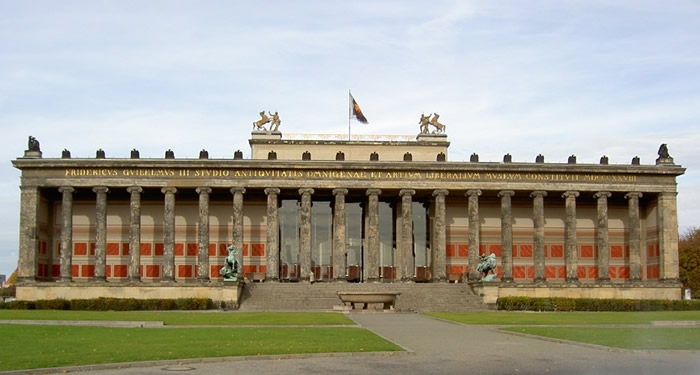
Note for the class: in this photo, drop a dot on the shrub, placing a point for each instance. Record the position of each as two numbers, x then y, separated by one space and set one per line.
593 304
115 304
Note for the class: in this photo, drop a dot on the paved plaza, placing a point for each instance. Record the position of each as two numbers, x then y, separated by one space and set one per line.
440 347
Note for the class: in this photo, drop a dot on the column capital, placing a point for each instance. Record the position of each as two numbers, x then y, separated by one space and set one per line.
602 194
570 194
66 189
134 189
203 189
374 192
441 192
167 190
538 193
303 191
269 191
340 191
409 192
668 194
633 194
237 189
100 189
473 192
503 193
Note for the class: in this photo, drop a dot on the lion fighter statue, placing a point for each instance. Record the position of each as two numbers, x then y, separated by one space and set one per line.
487 265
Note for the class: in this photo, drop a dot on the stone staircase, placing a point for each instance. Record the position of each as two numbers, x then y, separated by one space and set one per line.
419 297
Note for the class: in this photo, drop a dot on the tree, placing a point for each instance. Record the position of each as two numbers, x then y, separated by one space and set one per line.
689 260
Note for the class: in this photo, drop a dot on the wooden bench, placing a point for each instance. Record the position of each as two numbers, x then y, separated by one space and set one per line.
387 298
255 276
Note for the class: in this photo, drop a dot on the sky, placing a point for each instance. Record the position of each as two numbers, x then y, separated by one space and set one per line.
557 78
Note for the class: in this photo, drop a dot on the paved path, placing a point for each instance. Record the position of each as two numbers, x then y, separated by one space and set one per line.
450 348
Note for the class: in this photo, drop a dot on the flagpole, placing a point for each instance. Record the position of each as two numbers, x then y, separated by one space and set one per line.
349 112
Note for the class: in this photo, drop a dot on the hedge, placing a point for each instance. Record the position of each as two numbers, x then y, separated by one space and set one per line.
114 304
594 304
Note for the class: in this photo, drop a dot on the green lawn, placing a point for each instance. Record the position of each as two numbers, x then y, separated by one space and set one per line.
625 338
186 318
566 318
52 346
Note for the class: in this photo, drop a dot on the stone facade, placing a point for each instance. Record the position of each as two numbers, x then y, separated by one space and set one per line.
138 227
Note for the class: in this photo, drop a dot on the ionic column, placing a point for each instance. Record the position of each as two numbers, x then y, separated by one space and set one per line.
570 243
506 235
371 263
169 234
28 233
203 235
405 263
474 229
66 232
135 233
538 241
238 223
339 235
272 242
668 236
305 233
603 260
100 232
633 223
439 272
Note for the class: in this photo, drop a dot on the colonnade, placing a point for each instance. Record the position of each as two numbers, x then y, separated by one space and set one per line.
404 259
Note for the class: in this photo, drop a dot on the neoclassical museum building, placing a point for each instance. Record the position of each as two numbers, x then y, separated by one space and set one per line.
332 213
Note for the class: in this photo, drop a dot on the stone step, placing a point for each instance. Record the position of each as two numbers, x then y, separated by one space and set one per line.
323 296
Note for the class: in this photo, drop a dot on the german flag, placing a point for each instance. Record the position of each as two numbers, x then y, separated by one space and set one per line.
356 111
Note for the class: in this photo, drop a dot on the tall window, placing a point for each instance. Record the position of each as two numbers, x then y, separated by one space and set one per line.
353 238
321 233
420 233
289 231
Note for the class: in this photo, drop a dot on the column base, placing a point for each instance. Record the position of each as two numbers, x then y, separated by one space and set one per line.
540 281
99 279
507 280
572 281
65 280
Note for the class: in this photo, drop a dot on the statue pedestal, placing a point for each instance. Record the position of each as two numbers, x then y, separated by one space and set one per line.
256 134
32 154
667 161
432 137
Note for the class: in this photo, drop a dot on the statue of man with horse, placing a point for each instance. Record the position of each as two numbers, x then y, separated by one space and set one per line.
426 121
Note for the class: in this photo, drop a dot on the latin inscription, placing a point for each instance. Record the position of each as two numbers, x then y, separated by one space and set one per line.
347 174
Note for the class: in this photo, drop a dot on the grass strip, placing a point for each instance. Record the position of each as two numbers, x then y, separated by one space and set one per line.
55 346
186 318
566 318
624 338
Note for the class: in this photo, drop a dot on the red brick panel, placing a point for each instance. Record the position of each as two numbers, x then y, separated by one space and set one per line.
586 251
179 249
592 272
450 250
525 251
145 249
482 249
212 249
556 251
581 272
561 272
258 250
80 248
192 249
119 270
75 270
55 270
530 272
616 251
495 249
455 269
463 250
125 249
158 250
245 250
651 250
214 271
518 272
613 272
223 251
250 268
184 270
652 272
623 273
112 248
88 270
92 248
499 271
108 271
550 272
263 269
152 270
